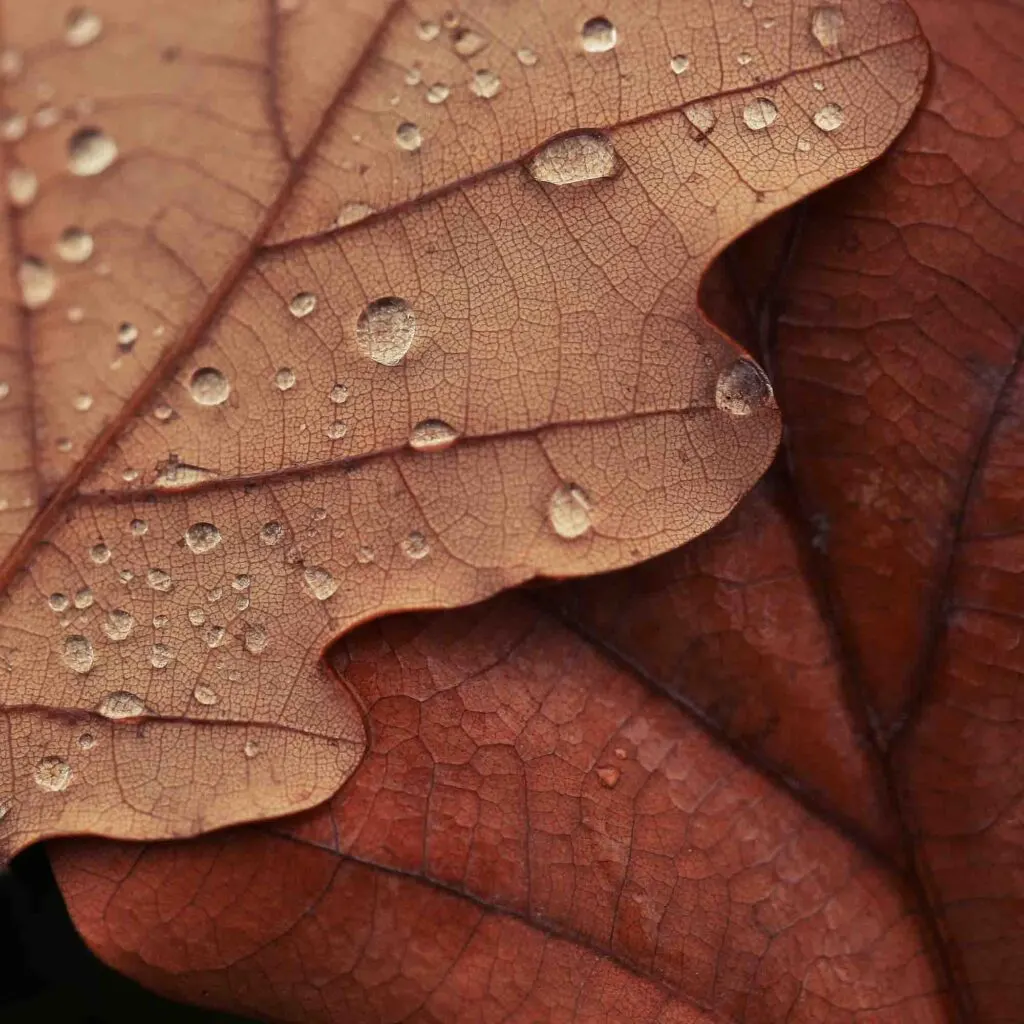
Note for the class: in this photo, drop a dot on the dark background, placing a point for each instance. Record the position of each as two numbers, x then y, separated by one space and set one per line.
48 974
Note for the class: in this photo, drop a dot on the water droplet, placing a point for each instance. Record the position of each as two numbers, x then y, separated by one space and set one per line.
196 616
127 335
163 412
11 64
160 656
202 538
58 602
159 579
438 93
271 533
743 59
119 624
53 774
302 304
364 555
126 576
621 753
99 553
82 26
416 546
285 378
13 127
86 741
121 704
353 213
827 26
569 512
209 386
386 329
82 403
319 582
204 695
255 639
251 748
598 35
336 430
243 581
84 599
90 151
428 31
829 118
5 389
408 137
742 388
138 527
214 636
526 56
432 436
467 43
486 84
679 64
804 145
38 282
74 245
571 159
414 75
63 444
22 186
161 621
339 394
608 776
78 653
759 114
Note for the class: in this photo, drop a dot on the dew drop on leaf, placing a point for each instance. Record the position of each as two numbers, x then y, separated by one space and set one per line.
701 115
438 93
251 748
82 27
432 436
742 388
22 186
608 776
160 656
526 56
53 774
84 599
214 636
202 538
121 704
138 527
427 31
209 386
408 136
319 582
58 603
255 639
353 213
86 741
77 653
336 430
127 335
38 282
759 114
386 329
302 304
415 546
119 624
159 579
679 64
99 553
571 159
196 616
598 35
829 118
339 394
90 151
204 695
82 402
827 26
569 512
284 379
485 84
271 533
467 42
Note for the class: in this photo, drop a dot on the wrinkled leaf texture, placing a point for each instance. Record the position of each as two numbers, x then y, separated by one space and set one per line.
773 775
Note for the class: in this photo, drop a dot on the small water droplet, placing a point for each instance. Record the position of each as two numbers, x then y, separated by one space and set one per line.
127 335
432 436
11 64
339 394
251 748
202 538
243 581
319 582
214 636
78 653
204 695
485 84
353 213
621 753
438 93
804 145
121 704
759 114
160 656
196 616
827 26
5 389
163 412
285 378
84 599
86 741
829 118
571 159
90 151
415 546
428 31
82 403
336 430
38 282
138 527
742 388
126 576
46 117
598 35
467 42
414 75
569 512
13 127
408 136
526 56
743 59
58 602
119 624
701 115
129 476
82 26
271 533
161 621
209 386
99 553
22 186
386 329
302 304
53 774
364 555
159 579
255 639
63 444
608 776
679 64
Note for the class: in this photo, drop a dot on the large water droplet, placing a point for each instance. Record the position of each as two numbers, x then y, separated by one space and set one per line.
742 388
53 774
598 35
255 639
571 159
271 533
82 26
121 704
701 115
201 538
214 636
339 394
827 26
159 579
319 582
438 93
759 114
432 436
485 84
415 546
84 599
467 42
77 653
829 118
209 386
119 624
90 151
160 656
408 137
336 430
100 554
38 282
302 304
386 329
569 512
